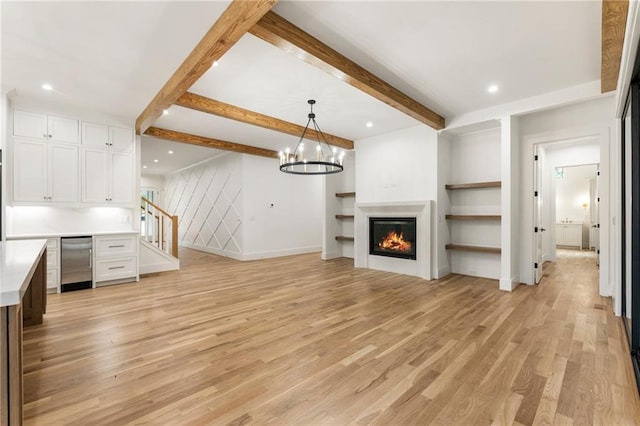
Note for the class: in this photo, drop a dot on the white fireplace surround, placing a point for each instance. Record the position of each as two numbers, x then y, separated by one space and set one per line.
421 210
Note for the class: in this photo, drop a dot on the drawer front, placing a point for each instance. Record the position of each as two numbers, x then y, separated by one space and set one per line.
116 246
53 244
53 260
52 278
113 269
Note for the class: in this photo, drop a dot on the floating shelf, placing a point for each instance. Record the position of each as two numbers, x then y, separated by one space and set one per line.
345 194
495 184
473 217
480 249
343 238
344 216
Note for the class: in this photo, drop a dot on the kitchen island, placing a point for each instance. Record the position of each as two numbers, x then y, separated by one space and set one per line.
23 301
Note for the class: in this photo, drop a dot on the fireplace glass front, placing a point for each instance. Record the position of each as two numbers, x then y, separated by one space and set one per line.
393 237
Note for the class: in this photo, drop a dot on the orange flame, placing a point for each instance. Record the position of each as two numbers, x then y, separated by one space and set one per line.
396 242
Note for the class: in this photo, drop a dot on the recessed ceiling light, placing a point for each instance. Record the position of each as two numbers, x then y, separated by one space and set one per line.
47 87
144 167
170 152
369 124
165 112
155 161
215 64
492 89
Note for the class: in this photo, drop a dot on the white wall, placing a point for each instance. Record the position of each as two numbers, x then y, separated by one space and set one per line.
398 166
207 198
282 212
35 221
4 111
243 207
572 192
578 122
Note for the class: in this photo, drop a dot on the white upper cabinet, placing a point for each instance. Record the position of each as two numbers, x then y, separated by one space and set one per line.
108 137
95 134
30 170
45 172
120 139
107 177
29 124
48 166
44 127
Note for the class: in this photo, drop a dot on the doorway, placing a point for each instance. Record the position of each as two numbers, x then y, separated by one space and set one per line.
566 200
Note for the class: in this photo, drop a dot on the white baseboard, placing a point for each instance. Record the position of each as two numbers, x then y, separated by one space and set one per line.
256 255
330 255
443 271
508 284
280 253
236 256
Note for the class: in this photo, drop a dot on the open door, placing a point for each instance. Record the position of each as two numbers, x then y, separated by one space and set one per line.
538 229
595 220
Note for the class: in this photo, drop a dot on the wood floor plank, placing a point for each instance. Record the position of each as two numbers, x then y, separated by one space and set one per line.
229 342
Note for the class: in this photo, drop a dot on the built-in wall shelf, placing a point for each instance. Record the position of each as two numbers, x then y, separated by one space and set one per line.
343 238
473 217
494 184
344 216
345 194
480 249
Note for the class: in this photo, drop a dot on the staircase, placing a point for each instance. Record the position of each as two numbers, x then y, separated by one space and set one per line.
158 239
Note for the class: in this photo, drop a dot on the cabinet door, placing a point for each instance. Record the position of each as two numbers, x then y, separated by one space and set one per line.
574 235
95 175
561 235
29 124
30 170
63 173
121 139
95 135
62 129
122 178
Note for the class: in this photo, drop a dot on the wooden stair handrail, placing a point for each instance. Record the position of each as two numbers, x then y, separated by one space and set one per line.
174 224
156 207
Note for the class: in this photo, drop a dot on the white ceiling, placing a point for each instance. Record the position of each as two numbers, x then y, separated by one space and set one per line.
113 57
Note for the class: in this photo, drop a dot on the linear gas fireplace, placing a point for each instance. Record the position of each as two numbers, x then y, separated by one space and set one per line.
393 237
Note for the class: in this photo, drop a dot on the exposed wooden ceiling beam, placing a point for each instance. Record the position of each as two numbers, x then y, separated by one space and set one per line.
614 22
211 106
181 137
234 22
276 30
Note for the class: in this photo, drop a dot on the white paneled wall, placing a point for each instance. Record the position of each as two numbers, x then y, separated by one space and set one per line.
208 201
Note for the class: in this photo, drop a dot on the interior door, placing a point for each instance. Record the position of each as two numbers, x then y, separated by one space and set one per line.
595 221
537 216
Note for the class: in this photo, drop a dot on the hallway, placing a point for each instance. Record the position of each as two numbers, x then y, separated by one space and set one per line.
297 340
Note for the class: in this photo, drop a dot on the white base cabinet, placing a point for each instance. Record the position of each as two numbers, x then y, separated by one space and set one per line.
53 265
569 234
115 259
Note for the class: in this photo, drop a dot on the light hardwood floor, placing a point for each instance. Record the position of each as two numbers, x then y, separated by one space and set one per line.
300 341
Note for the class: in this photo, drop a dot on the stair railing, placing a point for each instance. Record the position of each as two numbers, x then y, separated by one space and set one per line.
159 227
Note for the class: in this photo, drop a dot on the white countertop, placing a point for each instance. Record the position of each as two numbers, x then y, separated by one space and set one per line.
568 223
18 261
68 234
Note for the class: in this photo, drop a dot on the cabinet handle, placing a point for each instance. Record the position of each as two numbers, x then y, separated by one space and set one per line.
116 267
116 246
50 136
44 136
90 258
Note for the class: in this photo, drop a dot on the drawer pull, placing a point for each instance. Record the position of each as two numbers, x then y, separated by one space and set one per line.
116 267
117 246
